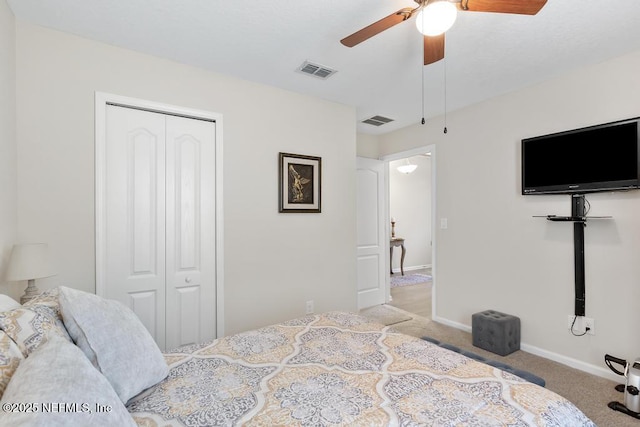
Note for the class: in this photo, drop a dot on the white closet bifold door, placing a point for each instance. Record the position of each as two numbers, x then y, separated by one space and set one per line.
160 222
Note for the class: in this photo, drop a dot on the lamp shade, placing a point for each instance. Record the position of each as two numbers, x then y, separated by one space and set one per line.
29 261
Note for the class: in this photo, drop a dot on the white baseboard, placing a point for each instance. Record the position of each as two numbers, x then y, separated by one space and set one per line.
451 323
602 372
416 267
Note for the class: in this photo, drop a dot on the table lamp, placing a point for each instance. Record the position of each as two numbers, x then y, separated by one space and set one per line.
29 262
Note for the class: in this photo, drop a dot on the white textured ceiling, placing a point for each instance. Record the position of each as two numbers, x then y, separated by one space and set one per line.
266 41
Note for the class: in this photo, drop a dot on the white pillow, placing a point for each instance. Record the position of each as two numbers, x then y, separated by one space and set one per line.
57 386
114 340
7 303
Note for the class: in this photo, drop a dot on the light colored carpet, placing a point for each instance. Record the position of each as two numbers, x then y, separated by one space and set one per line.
409 279
588 392
386 314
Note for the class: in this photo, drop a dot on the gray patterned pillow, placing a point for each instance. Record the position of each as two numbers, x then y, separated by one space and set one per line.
29 328
48 305
114 340
56 374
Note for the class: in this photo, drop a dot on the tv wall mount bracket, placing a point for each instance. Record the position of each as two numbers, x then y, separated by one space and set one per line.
579 219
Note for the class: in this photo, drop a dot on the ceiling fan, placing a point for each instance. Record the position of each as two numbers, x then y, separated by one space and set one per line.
434 43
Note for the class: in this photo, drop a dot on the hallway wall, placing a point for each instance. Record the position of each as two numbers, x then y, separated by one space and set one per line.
410 205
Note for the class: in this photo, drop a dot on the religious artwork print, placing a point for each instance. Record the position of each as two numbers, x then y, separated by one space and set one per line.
299 183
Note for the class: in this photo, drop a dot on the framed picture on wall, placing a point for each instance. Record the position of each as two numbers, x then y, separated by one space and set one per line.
300 181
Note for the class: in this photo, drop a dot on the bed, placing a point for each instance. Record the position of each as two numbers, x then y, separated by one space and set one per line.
335 368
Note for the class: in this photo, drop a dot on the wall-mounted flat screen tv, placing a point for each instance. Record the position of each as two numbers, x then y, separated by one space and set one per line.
605 157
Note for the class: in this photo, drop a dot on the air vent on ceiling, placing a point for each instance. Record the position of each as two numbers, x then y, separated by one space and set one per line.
316 70
377 120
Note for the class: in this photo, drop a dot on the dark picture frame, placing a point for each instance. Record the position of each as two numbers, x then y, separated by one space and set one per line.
299 183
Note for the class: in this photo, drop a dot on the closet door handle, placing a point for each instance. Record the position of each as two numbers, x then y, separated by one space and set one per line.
187 279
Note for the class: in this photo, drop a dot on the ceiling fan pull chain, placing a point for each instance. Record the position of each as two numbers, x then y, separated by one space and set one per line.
445 95
422 76
422 71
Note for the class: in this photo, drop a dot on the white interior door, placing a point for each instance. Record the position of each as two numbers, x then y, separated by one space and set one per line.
160 222
190 231
135 214
372 248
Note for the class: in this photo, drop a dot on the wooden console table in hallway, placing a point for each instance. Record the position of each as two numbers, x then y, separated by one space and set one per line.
397 241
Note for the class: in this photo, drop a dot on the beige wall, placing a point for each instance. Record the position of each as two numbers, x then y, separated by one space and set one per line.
273 262
367 146
494 255
8 211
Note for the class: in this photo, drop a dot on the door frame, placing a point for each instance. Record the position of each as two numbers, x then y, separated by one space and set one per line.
434 252
103 99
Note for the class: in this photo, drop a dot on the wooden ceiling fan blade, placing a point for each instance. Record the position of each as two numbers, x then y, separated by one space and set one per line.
433 49
520 7
377 27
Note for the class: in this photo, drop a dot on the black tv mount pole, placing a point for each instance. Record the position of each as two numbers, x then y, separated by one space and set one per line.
579 223
579 219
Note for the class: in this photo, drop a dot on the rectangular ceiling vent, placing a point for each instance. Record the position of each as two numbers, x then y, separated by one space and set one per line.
377 120
316 70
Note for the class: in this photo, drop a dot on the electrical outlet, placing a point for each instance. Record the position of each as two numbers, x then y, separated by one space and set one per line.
581 324
591 324
309 307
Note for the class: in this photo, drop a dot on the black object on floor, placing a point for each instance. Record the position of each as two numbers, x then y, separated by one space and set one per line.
617 406
496 364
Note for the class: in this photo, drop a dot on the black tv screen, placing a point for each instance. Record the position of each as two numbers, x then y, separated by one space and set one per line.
597 158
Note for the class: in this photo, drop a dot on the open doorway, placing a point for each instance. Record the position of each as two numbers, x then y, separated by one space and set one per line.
411 190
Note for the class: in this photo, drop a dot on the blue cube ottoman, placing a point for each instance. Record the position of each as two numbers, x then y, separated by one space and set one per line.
496 332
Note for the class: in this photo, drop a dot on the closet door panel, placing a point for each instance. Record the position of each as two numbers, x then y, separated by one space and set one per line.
145 305
135 212
188 315
190 231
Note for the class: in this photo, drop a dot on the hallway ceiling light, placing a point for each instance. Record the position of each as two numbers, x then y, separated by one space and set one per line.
407 168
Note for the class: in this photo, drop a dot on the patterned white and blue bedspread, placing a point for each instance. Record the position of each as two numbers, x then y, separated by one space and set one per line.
341 369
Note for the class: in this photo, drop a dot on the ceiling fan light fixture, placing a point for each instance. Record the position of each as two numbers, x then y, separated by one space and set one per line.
436 18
